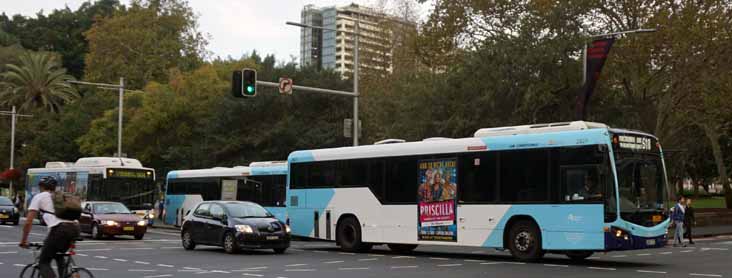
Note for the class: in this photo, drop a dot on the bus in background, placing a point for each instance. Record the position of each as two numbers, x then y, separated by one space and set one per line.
112 179
260 182
571 188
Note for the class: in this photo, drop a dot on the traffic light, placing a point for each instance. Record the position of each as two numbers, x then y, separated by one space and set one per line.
244 83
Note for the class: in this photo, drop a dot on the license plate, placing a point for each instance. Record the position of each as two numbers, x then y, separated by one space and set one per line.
657 218
3 216
650 242
273 237
128 228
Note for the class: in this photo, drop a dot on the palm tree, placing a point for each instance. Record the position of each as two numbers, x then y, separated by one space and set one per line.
37 81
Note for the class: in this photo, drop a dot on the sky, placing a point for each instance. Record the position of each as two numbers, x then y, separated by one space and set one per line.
234 27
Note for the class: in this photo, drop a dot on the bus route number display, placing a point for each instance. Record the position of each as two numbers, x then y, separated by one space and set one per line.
125 173
436 215
635 143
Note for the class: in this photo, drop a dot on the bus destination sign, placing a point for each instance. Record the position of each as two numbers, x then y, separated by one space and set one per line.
634 142
129 173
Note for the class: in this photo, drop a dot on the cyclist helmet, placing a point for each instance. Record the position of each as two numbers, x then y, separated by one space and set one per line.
48 182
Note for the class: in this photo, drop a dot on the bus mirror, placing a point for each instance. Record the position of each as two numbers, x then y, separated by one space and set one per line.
147 206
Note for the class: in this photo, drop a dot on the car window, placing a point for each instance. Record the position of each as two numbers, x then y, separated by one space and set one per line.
4 201
88 207
217 211
203 210
111 208
247 210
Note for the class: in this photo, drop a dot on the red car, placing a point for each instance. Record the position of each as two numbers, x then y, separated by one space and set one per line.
102 219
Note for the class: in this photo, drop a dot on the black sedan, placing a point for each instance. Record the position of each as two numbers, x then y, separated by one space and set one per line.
235 226
8 212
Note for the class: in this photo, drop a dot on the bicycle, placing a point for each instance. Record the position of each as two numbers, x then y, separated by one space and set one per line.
71 270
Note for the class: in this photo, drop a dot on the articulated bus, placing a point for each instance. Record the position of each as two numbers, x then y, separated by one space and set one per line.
114 179
572 188
260 182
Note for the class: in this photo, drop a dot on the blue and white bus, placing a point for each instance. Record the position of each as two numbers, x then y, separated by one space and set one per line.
260 182
572 188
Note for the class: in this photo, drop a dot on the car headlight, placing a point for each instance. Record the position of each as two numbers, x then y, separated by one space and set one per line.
15 210
141 223
287 229
244 229
151 215
110 223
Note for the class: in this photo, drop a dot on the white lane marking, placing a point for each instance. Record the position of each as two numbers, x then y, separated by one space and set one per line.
137 248
403 257
593 257
715 248
439 259
448 265
169 247
9 252
191 268
165 265
157 276
556 265
18 265
281 277
620 256
219 271
601 268
705 275
345 253
291 265
259 267
299 269
665 253
473 261
517 263
651 271
120 260
2 263
252 274
139 262
687 251
644 254
375 255
333 262
100 257
97 269
93 250
365 260
403 266
82 255
353 268
141 270
492 263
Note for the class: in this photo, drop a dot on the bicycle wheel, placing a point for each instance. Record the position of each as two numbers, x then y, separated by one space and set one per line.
80 272
30 271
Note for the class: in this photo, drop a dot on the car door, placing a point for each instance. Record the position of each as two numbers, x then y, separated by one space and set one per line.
216 225
86 218
199 221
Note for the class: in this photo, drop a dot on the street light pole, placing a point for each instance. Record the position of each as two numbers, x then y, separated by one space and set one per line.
355 94
13 120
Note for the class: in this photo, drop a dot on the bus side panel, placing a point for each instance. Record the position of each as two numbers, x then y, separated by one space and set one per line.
477 222
176 207
563 227
279 212
379 223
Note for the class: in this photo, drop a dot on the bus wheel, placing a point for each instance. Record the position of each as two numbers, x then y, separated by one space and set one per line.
402 248
525 241
349 236
579 255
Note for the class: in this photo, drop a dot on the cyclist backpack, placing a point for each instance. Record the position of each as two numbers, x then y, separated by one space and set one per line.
66 206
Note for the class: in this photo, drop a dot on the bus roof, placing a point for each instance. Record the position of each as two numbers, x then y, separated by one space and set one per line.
90 164
254 169
501 138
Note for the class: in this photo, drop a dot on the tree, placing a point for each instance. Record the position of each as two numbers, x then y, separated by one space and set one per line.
37 81
143 42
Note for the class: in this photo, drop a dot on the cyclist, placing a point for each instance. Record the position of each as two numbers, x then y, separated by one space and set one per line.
61 232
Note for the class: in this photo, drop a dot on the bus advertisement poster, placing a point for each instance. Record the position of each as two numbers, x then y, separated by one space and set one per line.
437 200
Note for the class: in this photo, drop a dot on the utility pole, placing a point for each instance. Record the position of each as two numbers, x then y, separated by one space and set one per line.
355 94
14 118
121 88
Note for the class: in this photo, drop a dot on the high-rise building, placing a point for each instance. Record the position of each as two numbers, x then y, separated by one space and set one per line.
334 50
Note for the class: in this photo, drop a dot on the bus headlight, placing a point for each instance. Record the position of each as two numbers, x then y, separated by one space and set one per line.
287 229
244 229
109 223
141 223
619 233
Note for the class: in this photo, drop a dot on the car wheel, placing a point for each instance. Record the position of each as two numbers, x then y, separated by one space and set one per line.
579 255
279 250
230 244
139 237
349 236
187 240
402 248
96 233
525 241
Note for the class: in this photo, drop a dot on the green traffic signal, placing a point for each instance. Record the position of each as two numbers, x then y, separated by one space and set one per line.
250 89
249 80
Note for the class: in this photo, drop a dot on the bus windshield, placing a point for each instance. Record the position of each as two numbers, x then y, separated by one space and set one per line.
641 182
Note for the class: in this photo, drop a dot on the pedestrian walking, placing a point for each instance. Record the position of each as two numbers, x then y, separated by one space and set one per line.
689 220
677 216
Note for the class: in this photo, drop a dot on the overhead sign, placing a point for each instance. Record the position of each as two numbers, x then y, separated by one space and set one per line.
285 85
634 142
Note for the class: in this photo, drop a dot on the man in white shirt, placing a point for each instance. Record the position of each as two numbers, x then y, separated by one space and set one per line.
61 233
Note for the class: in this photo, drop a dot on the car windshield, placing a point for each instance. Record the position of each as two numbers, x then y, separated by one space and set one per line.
640 182
247 210
111 208
4 201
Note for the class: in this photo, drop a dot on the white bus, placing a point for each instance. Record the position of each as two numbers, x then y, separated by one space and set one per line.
114 179
572 188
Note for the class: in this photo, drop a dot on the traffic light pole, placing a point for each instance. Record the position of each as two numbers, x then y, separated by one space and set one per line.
14 119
